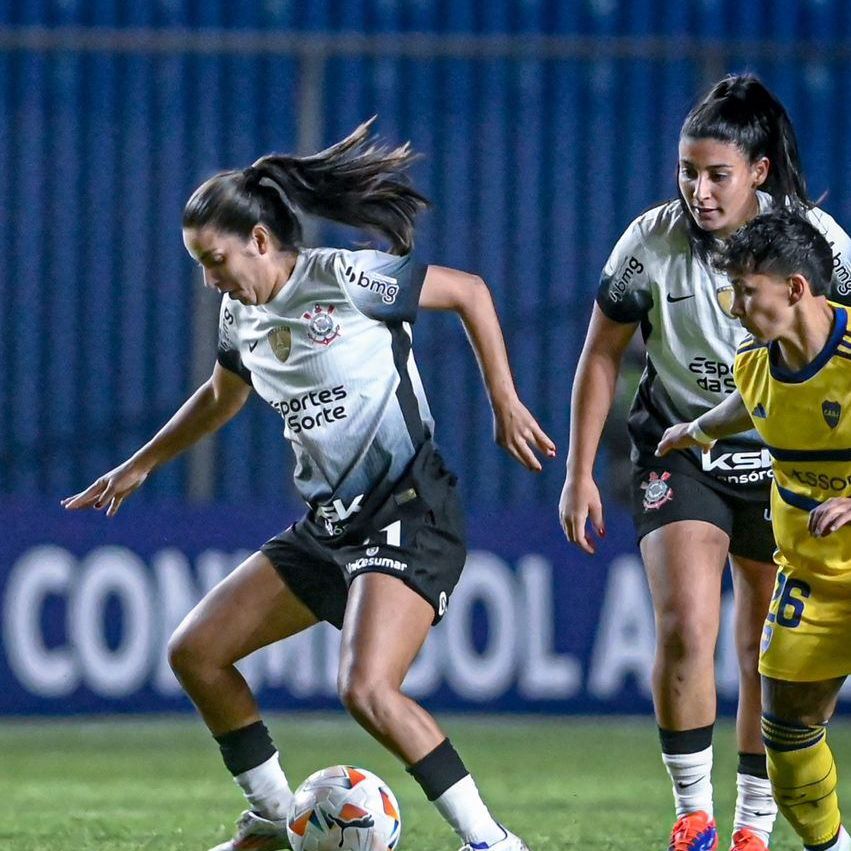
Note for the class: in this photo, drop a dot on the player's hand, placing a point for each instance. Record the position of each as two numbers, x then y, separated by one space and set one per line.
110 490
580 503
829 516
517 431
679 436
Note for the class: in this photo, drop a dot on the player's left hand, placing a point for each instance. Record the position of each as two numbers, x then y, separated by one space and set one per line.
830 516
517 431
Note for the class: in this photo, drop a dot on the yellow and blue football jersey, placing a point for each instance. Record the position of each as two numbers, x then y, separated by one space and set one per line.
804 418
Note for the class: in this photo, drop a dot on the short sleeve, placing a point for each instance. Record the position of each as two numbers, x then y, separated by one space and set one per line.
227 351
624 294
840 246
382 286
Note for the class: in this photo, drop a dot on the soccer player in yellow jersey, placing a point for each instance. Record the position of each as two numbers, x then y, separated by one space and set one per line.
793 379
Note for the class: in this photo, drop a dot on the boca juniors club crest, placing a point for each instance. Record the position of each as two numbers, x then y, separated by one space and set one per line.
657 491
831 411
321 326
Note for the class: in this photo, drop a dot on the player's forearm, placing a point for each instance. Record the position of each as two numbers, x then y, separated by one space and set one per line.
481 323
726 418
202 413
591 400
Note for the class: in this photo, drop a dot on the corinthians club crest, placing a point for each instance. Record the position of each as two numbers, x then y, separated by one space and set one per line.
657 491
831 411
281 342
321 326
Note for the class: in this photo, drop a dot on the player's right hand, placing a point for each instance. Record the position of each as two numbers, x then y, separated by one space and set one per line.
110 490
680 436
580 503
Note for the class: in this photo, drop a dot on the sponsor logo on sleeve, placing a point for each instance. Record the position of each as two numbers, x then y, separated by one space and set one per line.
621 279
384 287
841 274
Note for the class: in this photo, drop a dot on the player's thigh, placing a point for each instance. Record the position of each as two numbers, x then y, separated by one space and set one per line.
807 631
753 586
684 528
800 702
250 608
385 626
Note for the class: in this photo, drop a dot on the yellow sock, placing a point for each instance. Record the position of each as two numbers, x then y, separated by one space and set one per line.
803 777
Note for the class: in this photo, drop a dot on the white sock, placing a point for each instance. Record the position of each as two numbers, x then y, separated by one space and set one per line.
755 806
462 806
266 788
691 777
843 841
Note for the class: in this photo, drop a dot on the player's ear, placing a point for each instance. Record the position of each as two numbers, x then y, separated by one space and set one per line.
759 171
798 287
262 238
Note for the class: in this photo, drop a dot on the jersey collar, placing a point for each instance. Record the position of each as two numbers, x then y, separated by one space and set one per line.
781 373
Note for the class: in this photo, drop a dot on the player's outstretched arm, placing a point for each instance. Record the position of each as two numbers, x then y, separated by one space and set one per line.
515 429
206 410
593 393
831 515
726 418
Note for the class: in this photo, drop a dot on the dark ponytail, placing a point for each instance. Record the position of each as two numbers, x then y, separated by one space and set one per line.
740 110
356 182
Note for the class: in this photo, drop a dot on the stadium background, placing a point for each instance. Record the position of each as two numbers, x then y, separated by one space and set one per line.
545 128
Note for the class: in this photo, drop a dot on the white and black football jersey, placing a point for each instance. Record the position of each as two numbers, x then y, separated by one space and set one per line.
331 353
653 277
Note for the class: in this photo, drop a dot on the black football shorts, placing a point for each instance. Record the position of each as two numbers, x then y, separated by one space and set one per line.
663 494
416 534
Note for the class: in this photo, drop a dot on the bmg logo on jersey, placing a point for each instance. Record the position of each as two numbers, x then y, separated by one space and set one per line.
381 285
629 270
841 274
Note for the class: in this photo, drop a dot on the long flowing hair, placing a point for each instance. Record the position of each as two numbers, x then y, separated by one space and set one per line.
358 181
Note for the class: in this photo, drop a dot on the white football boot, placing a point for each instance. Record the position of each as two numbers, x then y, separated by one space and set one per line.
509 842
257 834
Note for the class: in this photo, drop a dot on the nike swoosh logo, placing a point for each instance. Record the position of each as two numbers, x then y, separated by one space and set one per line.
686 785
674 298
253 346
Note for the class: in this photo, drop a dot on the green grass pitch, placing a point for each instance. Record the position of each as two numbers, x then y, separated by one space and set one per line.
158 784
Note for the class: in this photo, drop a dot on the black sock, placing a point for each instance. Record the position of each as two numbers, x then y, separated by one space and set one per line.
754 764
246 747
686 741
438 770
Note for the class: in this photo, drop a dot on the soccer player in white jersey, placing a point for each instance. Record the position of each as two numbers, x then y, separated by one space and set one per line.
737 157
323 335
793 379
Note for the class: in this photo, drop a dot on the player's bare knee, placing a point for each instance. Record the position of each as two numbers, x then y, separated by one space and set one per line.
364 697
684 636
185 651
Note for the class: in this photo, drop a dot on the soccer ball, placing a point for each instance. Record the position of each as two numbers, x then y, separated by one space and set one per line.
343 808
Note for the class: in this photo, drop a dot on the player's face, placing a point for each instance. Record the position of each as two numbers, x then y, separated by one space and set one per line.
719 184
762 304
232 264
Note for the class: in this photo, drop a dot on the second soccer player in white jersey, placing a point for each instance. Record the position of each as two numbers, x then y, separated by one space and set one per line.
737 157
